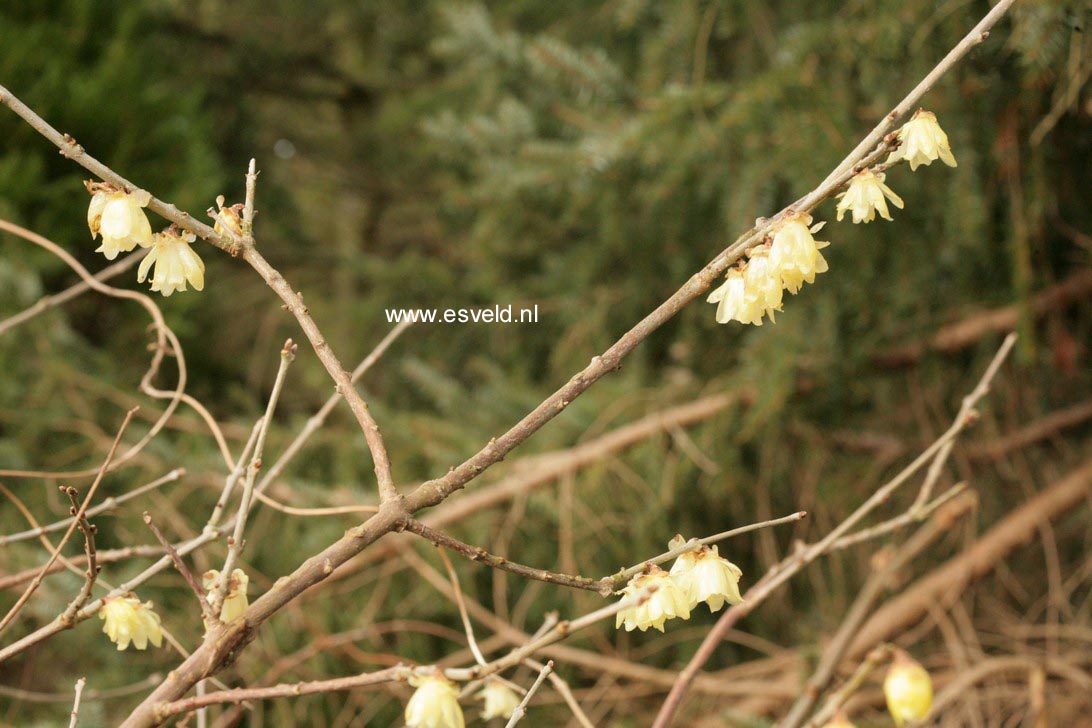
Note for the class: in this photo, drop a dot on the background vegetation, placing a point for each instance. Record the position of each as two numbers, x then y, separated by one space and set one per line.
587 158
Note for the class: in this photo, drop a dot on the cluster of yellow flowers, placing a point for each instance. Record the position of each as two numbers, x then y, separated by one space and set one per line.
908 690
435 703
698 576
118 216
790 256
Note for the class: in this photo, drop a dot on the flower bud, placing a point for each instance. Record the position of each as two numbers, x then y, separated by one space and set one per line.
908 689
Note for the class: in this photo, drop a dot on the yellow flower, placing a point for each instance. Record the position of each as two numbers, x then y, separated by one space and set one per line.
667 602
865 197
794 252
731 300
908 689
127 620
705 576
118 216
435 704
175 264
235 601
763 284
500 700
923 141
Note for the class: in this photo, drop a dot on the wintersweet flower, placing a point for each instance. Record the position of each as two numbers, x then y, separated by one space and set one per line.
704 575
923 141
435 704
731 300
666 602
176 264
127 620
794 251
500 700
119 217
908 689
865 197
235 601
763 286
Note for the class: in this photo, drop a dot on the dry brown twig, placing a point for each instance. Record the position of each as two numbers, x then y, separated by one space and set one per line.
395 510
791 565
77 521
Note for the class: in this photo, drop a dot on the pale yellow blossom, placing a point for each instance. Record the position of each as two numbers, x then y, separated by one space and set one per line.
908 689
235 601
865 197
119 217
731 300
176 263
763 285
794 251
435 704
666 602
500 700
704 575
126 619
923 141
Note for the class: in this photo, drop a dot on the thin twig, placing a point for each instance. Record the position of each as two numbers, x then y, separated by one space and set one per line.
235 474
475 553
790 566
695 543
521 709
206 609
92 572
45 303
566 694
467 626
862 608
837 699
76 702
235 543
108 504
77 516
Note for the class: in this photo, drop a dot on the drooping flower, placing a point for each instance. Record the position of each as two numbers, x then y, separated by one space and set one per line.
763 284
126 619
667 602
435 704
500 700
731 300
923 141
704 575
794 252
908 689
865 197
176 264
235 601
119 217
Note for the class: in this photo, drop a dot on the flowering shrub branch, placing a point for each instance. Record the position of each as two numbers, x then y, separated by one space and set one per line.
781 254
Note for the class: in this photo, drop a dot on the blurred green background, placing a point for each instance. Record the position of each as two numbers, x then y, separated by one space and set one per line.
583 157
